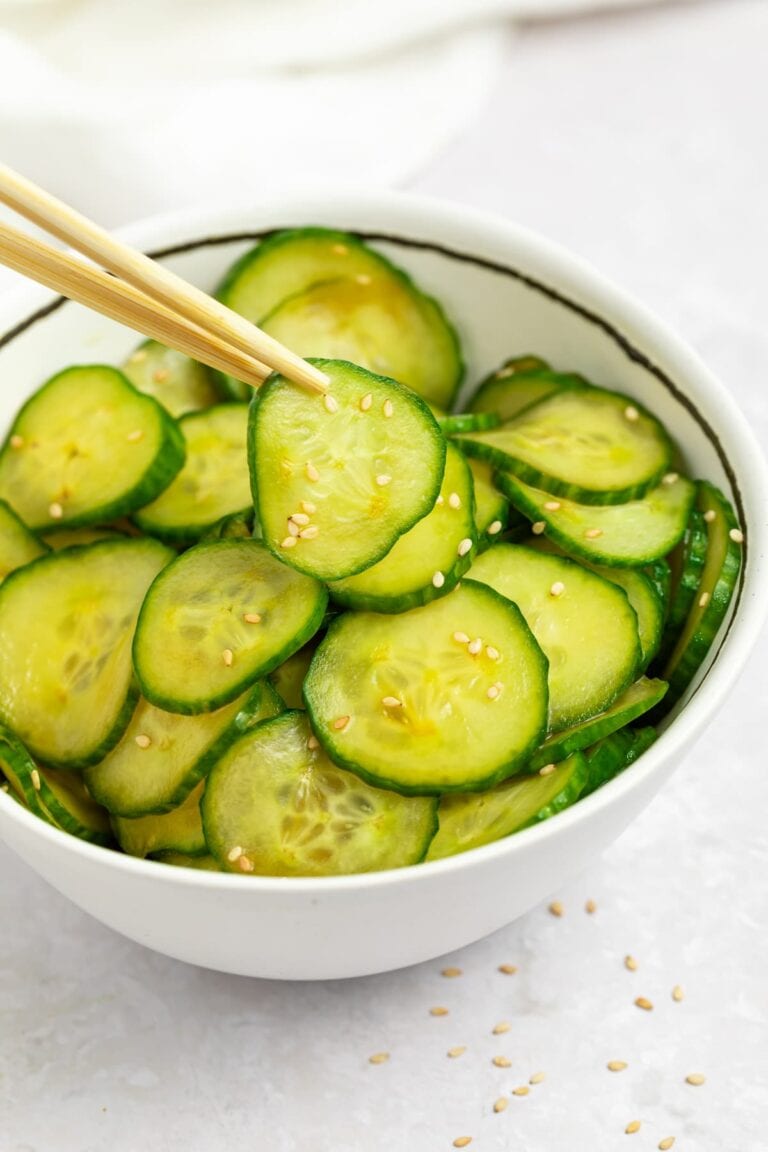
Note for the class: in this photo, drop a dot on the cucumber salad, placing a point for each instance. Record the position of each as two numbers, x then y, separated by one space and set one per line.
290 634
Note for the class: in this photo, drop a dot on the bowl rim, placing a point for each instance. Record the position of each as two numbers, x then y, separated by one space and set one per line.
434 217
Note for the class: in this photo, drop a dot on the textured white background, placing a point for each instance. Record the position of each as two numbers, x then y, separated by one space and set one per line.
640 141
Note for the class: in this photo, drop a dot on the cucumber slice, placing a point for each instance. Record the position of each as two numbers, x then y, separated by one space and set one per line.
181 860
214 481
471 820
713 595
276 806
176 381
660 575
584 625
325 293
428 560
163 755
408 703
67 619
464 422
614 753
625 537
338 479
491 506
640 697
288 679
71 808
238 526
689 558
178 831
582 444
88 447
18 546
75 537
196 648
513 388
21 773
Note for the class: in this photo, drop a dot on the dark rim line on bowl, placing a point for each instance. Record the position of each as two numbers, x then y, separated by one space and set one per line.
622 341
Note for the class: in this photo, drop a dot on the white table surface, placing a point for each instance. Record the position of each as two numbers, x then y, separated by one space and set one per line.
640 141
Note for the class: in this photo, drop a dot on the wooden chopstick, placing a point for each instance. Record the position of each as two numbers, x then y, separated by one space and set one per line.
152 279
119 301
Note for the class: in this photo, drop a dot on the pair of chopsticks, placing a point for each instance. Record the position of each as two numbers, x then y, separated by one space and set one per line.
129 287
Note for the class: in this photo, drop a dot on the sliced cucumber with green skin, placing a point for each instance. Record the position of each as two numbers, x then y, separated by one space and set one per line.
713 595
238 526
428 560
690 557
72 809
86 448
21 773
639 698
181 860
491 506
288 678
463 422
75 537
580 443
18 545
445 698
585 626
337 479
163 755
275 805
625 536
67 621
178 831
511 390
660 575
474 819
214 481
176 381
614 753
223 614
325 293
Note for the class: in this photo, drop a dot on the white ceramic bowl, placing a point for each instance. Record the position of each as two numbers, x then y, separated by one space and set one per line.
509 292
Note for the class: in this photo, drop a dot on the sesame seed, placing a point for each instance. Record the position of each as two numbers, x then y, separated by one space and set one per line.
495 527
438 1011
616 1065
462 1141
492 653
710 515
552 505
383 479
736 535
363 279
704 599
677 993
35 778
378 1058
340 723
521 1090
134 436
502 1027
461 637
454 500
330 402
245 864
451 973
388 409
161 375
666 1143
289 542
365 402
547 770
465 546
538 528
475 646
308 507
293 529
234 854
500 1104
493 692
309 533
458 1050
440 501
556 908
593 533
339 249
507 969
644 1003
312 472
670 479
228 657
16 441
557 588
502 1062
252 618
139 355
391 702
313 742
631 963
631 413
300 518
696 1079
537 1078
55 511
632 1127
142 740
438 579
590 907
